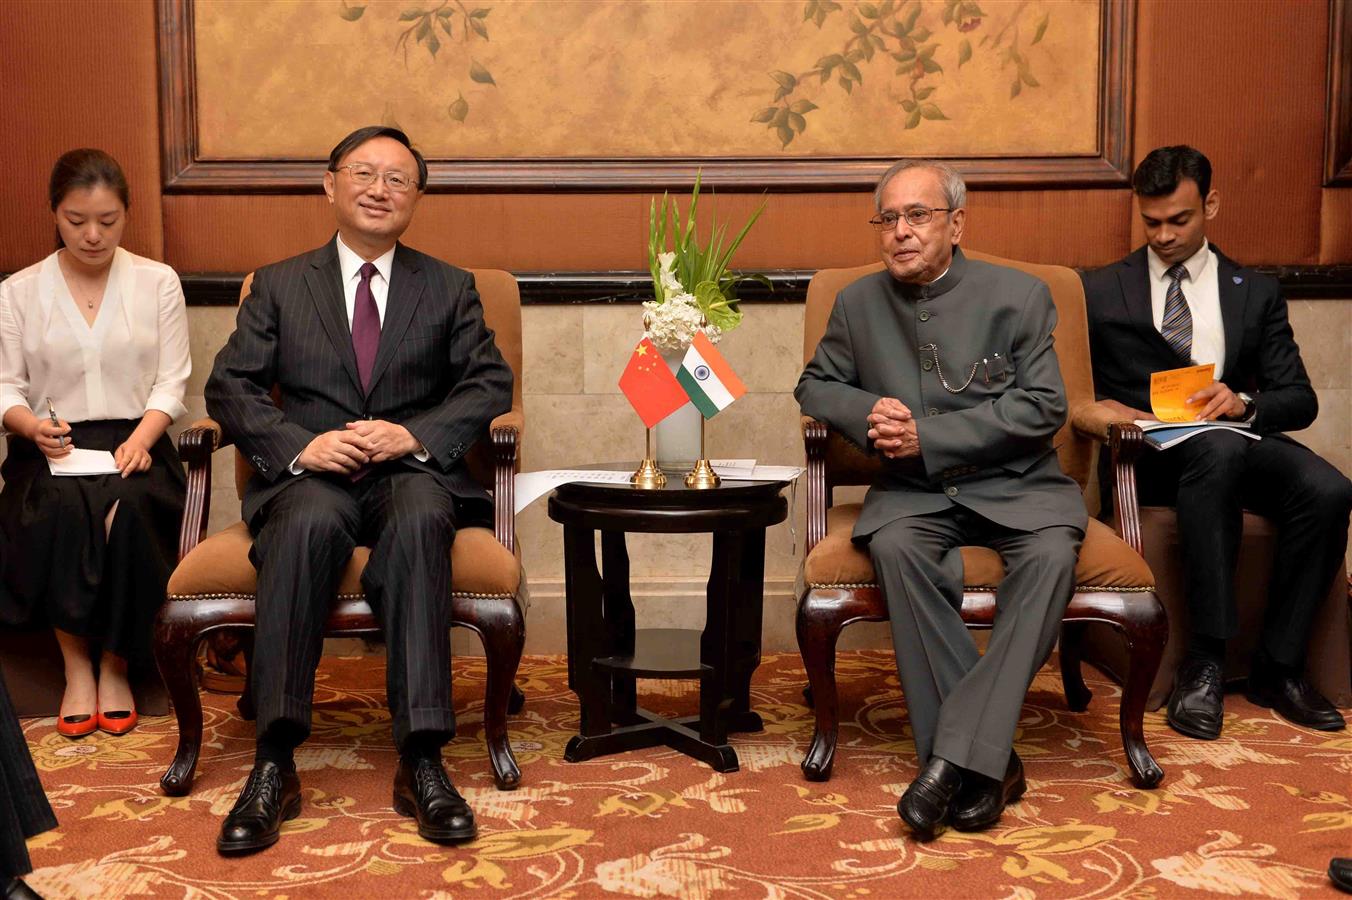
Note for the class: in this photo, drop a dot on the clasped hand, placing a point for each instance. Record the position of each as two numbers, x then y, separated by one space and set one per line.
892 429
360 443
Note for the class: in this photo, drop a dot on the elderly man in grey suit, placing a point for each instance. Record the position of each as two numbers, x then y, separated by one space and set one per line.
386 375
944 367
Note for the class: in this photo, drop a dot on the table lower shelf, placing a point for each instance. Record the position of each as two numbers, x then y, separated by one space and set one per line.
659 653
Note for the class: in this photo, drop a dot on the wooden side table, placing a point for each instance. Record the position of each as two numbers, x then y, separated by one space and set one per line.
605 651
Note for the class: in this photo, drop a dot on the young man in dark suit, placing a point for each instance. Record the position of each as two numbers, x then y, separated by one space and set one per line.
1178 302
386 376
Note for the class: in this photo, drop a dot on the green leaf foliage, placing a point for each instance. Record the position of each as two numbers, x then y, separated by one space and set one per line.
964 52
913 119
480 13
932 111
409 15
1028 78
351 13
920 34
867 10
924 92
785 79
802 106
785 135
847 84
908 105
433 42
478 73
479 28
459 109
765 115
797 122
931 66
1015 88
1041 28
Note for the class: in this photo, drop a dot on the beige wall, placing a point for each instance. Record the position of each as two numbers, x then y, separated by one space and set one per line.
573 356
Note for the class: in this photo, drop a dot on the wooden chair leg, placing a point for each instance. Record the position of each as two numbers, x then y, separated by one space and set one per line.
175 651
516 701
1146 628
502 629
818 630
247 710
1078 694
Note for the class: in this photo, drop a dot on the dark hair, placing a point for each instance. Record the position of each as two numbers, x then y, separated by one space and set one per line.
371 132
1163 168
86 168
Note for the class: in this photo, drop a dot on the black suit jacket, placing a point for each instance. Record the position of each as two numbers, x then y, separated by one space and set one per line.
437 371
1261 355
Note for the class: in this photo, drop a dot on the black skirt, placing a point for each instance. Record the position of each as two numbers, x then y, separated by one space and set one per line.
24 811
60 569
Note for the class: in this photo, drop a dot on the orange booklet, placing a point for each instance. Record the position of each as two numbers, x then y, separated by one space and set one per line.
1170 390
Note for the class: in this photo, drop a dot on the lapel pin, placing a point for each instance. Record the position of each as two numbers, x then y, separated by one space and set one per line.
1237 279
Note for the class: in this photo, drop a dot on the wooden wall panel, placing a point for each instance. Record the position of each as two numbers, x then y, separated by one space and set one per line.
582 232
1243 81
76 74
1335 230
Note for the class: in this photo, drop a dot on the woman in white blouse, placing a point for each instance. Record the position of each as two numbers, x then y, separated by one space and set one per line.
97 339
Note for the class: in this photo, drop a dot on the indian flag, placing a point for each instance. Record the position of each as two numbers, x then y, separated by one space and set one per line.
707 377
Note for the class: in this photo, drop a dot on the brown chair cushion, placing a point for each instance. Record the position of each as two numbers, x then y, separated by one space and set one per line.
220 565
1106 562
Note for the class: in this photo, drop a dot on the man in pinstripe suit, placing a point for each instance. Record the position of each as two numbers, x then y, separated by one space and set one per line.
386 375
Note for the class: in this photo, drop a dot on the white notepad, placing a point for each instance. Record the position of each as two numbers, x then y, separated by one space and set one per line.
83 462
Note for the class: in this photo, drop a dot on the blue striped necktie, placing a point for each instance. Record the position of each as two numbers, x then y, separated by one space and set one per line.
1176 328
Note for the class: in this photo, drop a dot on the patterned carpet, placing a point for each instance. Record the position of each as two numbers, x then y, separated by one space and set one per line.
1258 812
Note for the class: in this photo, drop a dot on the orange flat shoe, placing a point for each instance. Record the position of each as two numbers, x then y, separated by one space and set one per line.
75 727
118 722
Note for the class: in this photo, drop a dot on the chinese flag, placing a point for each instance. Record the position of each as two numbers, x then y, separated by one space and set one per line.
651 388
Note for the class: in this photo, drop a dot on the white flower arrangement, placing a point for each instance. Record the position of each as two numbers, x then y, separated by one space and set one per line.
693 289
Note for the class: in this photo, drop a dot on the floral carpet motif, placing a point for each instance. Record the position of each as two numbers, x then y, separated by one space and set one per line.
1258 812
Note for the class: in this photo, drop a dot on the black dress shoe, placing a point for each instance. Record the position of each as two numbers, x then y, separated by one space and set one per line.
1196 707
270 797
981 801
1294 699
1340 873
924 805
16 889
423 792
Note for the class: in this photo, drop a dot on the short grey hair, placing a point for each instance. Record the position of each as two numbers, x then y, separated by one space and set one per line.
955 189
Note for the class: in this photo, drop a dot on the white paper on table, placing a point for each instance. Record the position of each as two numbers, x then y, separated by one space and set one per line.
737 469
83 462
769 473
531 486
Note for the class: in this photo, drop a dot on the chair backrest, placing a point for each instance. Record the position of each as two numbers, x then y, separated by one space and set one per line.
846 465
501 299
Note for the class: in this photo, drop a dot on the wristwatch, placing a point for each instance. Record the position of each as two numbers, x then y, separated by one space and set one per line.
1250 406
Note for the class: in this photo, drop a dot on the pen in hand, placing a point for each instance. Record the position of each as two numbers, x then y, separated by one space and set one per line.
51 412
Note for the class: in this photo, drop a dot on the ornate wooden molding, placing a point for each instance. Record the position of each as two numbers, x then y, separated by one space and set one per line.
186 172
790 286
1338 113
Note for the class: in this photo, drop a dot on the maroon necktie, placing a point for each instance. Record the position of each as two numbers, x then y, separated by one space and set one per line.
365 327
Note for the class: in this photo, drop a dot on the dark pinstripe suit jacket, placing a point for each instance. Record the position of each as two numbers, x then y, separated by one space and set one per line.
437 371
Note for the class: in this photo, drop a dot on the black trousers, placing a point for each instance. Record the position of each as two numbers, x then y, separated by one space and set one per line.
303 538
1211 479
24 811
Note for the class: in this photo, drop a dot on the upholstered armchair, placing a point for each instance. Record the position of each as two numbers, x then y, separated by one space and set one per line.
1327 662
211 592
838 585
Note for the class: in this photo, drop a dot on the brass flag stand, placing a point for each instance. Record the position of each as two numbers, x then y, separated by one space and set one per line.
703 475
648 476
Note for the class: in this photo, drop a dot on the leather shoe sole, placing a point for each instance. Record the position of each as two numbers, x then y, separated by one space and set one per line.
262 841
409 810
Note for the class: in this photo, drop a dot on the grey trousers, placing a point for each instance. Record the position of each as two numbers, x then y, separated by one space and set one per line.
964 706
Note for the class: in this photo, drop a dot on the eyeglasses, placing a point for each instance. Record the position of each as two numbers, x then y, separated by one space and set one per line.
916 215
365 176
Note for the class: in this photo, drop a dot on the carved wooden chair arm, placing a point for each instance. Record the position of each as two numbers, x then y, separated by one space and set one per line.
195 446
814 446
505 432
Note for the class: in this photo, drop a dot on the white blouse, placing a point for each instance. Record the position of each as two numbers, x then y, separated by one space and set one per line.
133 359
